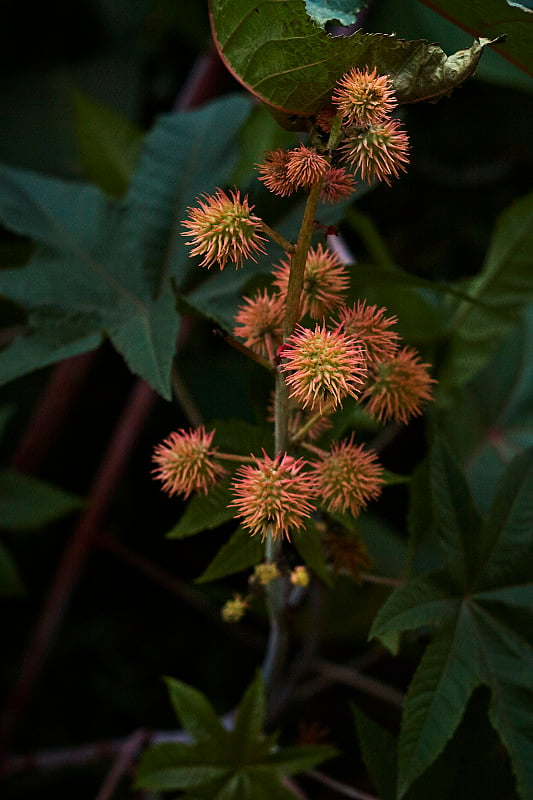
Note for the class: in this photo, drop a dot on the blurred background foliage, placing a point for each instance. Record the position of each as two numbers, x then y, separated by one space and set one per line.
79 86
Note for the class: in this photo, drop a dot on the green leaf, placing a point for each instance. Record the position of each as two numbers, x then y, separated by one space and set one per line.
455 511
239 764
292 65
108 143
490 16
11 584
104 267
343 11
413 20
378 749
181 159
491 418
203 513
480 604
6 412
194 712
240 552
249 720
179 766
503 288
28 502
299 758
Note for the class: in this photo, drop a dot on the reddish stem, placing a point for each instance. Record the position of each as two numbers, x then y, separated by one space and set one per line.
60 393
75 555
205 81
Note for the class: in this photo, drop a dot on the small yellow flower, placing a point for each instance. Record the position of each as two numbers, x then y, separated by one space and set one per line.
300 576
234 610
266 573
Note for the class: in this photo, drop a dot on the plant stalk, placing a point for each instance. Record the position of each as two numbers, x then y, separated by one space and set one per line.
278 641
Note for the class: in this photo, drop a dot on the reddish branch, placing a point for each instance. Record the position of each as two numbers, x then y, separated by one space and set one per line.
60 393
64 383
75 555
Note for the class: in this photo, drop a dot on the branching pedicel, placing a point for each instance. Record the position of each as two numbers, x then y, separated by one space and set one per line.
346 353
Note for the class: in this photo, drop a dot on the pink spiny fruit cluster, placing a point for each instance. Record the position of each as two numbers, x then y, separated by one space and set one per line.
347 353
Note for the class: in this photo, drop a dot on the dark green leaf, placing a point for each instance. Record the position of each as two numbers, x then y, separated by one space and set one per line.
240 552
378 748
108 143
194 712
80 267
179 766
410 19
225 765
291 64
28 502
106 266
493 17
251 713
503 288
181 159
455 512
6 412
203 513
479 642
10 581
299 758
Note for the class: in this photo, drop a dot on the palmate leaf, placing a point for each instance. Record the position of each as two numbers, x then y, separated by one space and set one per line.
103 267
28 503
292 65
480 604
223 764
501 290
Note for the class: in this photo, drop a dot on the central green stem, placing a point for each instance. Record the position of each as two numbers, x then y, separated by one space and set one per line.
278 638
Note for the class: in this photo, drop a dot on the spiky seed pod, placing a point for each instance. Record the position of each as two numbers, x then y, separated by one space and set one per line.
380 151
274 496
185 462
305 166
273 172
337 185
399 388
363 97
326 280
322 367
260 323
348 477
223 229
370 326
